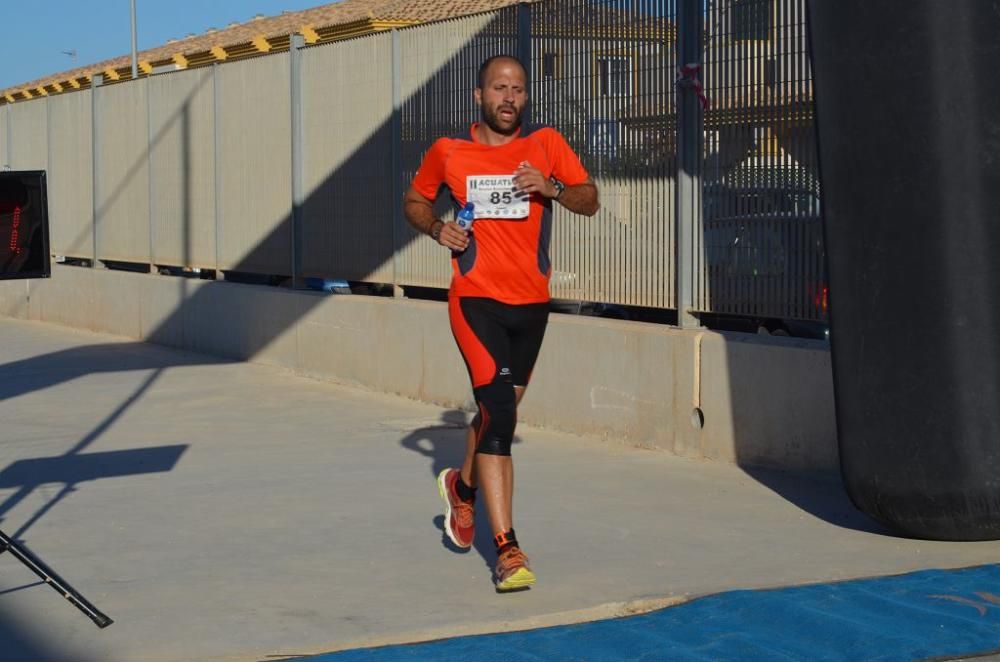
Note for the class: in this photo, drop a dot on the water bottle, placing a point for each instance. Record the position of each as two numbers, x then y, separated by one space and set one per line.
466 216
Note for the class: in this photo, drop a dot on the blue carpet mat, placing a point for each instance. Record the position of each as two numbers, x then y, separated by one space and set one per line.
927 614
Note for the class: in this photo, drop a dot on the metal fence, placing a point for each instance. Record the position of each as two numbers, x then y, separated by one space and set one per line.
294 164
762 238
437 67
603 74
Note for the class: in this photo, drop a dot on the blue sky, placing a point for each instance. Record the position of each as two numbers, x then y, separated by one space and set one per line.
37 31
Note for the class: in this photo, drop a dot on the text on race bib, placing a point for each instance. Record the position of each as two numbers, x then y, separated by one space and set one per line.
495 196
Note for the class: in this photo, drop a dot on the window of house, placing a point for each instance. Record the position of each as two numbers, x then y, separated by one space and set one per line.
751 19
615 75
548 65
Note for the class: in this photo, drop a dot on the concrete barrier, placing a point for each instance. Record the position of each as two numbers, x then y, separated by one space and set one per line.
755 401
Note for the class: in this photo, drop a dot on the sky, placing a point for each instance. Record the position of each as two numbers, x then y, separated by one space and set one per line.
36 32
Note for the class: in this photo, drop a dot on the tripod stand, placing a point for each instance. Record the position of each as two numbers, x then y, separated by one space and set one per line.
37 566
26 255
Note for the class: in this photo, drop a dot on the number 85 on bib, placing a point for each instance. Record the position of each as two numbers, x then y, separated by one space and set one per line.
495 196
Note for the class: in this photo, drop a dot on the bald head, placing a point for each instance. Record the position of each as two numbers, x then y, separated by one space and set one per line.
496 60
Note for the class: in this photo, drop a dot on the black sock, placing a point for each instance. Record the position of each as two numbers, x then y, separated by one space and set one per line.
465 493
505 541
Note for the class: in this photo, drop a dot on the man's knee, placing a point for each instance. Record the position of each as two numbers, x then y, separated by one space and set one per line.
498 408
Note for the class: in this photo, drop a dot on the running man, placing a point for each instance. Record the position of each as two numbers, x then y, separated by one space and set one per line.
499 298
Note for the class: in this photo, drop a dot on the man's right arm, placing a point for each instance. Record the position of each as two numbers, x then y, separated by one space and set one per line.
419 212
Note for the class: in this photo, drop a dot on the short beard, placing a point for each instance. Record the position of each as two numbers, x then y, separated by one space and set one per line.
493 122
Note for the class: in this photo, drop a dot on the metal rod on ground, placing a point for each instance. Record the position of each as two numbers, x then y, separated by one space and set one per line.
37 566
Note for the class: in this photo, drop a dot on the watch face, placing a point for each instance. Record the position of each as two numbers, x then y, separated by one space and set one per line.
24 232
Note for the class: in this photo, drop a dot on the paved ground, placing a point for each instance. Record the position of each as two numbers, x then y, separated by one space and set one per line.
226 511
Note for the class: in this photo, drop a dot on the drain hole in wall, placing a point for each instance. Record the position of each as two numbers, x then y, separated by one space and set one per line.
697 418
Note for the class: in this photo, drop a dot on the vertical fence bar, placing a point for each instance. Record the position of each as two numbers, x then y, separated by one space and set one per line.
48 140
524 48
689 130
396 167
8 124
216 167
95 151
149 168
295 69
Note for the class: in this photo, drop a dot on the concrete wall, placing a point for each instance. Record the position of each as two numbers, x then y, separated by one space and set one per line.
756 401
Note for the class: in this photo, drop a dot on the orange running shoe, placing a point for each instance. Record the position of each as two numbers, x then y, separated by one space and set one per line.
512 572
459 516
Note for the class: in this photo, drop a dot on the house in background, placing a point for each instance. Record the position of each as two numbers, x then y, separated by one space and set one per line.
757 75
598 64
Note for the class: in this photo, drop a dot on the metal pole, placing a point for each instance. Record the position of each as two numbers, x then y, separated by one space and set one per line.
151 182
217 169
524 48
95 155
689 145
298 42
48 138
135 59
6 164
396 160
60 585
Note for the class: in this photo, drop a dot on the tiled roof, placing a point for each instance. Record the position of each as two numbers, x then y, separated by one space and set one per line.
354 17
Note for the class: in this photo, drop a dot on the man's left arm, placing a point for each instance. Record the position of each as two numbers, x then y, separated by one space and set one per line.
578 198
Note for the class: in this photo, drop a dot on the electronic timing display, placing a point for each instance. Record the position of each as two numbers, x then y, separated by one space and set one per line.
24 225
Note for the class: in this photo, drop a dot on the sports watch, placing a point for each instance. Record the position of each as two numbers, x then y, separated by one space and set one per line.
560 187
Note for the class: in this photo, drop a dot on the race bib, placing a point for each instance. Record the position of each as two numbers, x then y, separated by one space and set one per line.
495 196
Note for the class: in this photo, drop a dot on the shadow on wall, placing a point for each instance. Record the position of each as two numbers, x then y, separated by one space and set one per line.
359 184
339 238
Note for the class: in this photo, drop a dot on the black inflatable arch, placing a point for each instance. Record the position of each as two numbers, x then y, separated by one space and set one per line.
908 102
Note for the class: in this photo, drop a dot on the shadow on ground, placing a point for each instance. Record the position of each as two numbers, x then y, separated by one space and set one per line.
40 372
819 494
19 641
444 445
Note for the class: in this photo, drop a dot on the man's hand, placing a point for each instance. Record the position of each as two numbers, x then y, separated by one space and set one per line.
529 179
454 236
579 198
419 212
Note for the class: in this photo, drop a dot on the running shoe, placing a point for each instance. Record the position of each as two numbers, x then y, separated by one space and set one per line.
459 516
512 571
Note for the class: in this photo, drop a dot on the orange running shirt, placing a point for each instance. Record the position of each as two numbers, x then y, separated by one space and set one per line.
507 258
